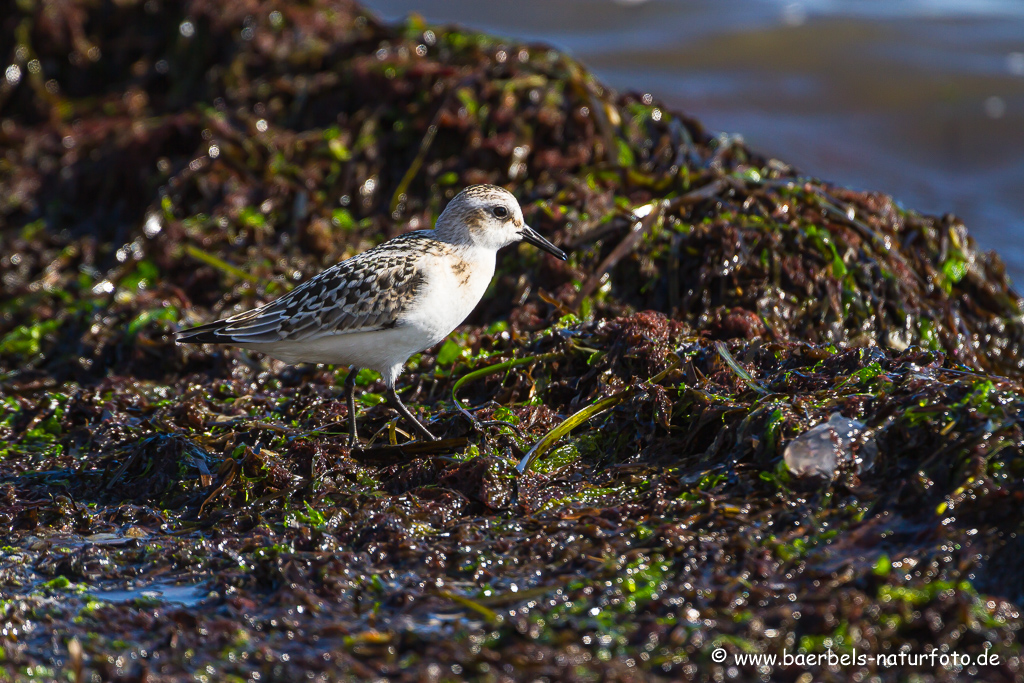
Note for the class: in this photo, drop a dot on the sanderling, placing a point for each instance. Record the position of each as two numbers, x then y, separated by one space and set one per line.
378 308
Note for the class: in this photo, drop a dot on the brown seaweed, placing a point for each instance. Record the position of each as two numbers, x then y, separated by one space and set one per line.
193 513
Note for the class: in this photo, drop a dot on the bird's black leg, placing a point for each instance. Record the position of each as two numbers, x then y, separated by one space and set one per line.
397 404
350 395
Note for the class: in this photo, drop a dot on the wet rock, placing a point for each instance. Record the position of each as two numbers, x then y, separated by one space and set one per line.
824 448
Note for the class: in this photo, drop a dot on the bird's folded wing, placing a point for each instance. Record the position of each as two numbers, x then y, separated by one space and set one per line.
364 293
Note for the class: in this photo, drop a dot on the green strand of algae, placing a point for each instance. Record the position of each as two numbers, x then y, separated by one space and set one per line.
548 440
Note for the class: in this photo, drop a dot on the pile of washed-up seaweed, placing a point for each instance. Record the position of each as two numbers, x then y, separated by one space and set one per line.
610 501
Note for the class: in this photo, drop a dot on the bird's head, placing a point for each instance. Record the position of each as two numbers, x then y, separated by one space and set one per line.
489 216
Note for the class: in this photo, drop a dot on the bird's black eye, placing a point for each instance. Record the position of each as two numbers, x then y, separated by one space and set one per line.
500 212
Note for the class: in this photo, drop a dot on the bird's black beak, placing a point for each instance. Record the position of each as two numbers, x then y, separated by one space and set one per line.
533 237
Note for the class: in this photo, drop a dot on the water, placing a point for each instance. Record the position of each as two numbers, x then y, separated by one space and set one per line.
163 591
921 99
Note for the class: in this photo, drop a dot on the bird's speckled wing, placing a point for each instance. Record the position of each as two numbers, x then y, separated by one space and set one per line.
364 293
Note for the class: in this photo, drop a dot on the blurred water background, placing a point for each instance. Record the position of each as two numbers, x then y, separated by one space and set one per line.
921 99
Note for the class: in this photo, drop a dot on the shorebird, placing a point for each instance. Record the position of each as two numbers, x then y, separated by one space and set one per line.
378 308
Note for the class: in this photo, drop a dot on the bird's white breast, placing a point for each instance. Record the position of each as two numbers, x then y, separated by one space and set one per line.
454 283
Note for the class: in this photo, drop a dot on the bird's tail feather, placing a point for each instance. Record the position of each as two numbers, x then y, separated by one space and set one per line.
210 333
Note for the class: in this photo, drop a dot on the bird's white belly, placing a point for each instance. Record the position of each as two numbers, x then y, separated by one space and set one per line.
378 350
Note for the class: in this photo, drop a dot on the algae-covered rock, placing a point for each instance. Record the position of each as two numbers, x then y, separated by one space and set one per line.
162 164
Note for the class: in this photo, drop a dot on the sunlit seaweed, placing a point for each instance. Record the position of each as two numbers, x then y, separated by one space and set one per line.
166 163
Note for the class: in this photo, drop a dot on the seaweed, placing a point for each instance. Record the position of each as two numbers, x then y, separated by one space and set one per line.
610 499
